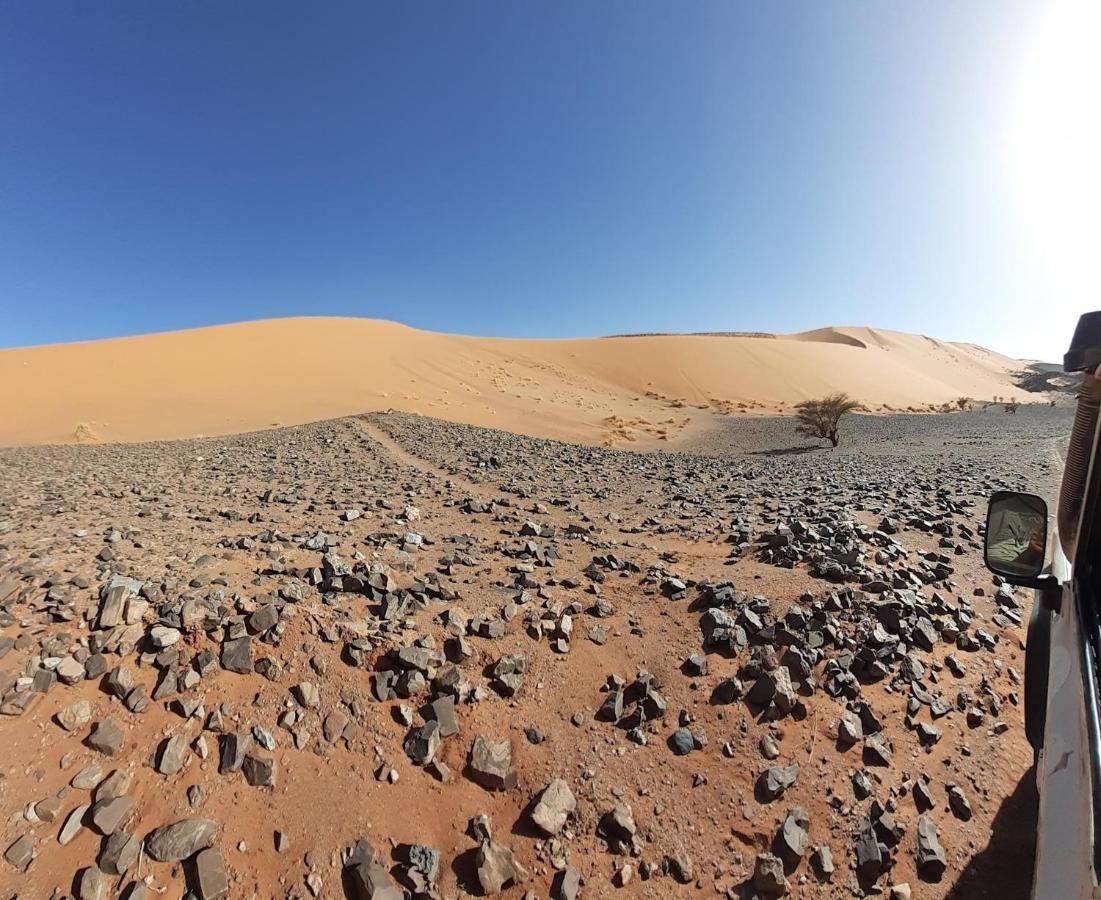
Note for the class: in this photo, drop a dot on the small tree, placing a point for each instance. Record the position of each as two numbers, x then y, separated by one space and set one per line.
963 402
820 418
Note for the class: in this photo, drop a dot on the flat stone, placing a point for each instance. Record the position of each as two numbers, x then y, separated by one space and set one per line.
235 746
555 806
69 671
92 885
180 840
119 853
75 716
768 876
775 780
106 737
566 884
333 726
264 619
47 810
877 750
210 875
442 710
823 861
793 838
497 867
20 853
173 755
87 778
73 824
112 606
259 770
114 785
307 695
931 859
491 764
163 637
237 655
368 877
106 815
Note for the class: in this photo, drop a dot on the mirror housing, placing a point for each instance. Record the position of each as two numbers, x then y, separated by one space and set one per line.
1015 544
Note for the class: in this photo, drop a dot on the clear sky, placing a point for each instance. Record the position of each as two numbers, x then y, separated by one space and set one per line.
551 169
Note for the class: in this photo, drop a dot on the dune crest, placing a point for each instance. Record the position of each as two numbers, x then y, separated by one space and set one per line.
644 390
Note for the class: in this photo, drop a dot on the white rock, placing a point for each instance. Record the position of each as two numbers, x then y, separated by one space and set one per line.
162 636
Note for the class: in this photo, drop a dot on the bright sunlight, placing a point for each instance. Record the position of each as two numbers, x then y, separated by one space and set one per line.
1055 154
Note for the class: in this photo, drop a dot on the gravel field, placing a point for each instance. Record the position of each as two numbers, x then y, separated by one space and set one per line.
390 656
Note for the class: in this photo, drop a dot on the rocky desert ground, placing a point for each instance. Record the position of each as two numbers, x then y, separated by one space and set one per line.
391 656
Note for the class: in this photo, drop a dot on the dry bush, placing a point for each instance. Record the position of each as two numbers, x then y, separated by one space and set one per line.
820 418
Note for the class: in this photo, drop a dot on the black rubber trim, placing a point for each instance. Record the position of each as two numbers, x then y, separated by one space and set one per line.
1037 663
1090 653
1087 596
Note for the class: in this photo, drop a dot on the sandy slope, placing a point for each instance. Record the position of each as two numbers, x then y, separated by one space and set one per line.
254 375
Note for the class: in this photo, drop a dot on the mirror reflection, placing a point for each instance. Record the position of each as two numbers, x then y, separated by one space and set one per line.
1016 534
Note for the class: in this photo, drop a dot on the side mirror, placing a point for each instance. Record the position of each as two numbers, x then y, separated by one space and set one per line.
1016 537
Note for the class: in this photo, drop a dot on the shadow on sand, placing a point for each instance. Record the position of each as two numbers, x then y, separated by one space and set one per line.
1003 870
786 451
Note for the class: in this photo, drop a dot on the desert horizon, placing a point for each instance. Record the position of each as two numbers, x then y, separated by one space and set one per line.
640 390
433 464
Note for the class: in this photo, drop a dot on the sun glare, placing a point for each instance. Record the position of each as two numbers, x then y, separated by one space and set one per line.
1055 153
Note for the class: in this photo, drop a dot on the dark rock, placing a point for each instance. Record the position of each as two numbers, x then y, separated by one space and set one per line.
119 853
768 876
491 764
180 840
775 780
107 814
869 855
237 655
681 742
791 842
566 885
497 867
20 853
259 771
106 737
367 876
931 860
210 875
422 743
235 745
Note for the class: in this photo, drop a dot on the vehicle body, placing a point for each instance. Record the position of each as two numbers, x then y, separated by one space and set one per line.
1063 655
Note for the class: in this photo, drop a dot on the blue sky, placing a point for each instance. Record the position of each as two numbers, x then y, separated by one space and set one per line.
518 169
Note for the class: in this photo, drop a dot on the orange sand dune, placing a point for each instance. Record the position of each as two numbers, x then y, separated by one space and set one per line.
647 389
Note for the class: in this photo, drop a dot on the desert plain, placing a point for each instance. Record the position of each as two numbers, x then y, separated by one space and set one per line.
338 608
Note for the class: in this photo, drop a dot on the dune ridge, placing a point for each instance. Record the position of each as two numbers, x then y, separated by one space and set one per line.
642 389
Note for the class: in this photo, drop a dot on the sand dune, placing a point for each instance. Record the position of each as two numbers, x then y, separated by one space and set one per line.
641 389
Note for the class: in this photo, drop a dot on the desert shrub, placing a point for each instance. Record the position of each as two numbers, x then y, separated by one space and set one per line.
820 418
